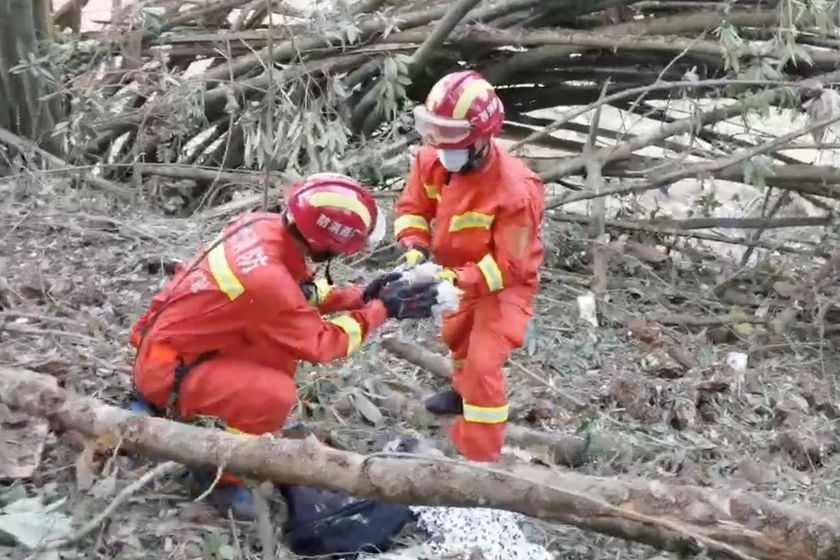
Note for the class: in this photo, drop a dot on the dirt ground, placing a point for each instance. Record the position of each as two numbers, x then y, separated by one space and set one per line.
76 273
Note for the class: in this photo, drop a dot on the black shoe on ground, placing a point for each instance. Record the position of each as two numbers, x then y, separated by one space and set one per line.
445 402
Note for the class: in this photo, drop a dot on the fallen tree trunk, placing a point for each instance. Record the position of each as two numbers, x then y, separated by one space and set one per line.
629 225
670 176
584 39
292 48
668 25
684 519
816 179
206 175
53 162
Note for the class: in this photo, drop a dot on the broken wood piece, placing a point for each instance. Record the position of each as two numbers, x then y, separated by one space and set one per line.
631 225
487 37
366 29
55 163
683 519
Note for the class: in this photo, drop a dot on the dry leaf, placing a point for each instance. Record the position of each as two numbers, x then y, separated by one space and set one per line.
85 477
107 441
22 440
744 329
105 487
645 253
367 409
660 364
784 289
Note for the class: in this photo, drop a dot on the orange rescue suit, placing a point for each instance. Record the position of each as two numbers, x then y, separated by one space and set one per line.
487 229
244 301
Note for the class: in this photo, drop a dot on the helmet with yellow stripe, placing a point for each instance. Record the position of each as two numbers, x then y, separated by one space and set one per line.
334 214
461 110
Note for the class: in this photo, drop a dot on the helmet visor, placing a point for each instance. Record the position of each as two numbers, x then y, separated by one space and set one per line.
438 130
377 232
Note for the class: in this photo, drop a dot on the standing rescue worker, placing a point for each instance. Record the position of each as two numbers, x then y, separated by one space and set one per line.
225 335
487 208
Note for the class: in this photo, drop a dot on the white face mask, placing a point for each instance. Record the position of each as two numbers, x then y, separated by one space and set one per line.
454 160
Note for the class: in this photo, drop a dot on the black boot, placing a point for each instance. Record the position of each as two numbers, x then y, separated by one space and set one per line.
445 402
136 403
238 499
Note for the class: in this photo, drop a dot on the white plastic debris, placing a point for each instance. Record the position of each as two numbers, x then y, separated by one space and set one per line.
737 361
458 532
587 309
495 533
424 272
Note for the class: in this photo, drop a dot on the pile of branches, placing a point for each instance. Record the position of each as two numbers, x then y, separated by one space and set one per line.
293 92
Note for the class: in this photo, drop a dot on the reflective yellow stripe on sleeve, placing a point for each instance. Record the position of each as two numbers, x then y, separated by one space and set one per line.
353 330
432 191
485 414
222 273
409 221
491 272
457 363
469 220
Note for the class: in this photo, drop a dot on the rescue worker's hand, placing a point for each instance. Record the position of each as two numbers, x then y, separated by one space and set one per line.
404 301
413 256
372 290
315 291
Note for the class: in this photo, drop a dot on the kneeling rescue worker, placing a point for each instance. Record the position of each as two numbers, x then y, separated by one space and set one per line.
487 208
224 336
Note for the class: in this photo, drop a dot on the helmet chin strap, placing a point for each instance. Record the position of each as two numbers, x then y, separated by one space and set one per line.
477 153
319 257
315 256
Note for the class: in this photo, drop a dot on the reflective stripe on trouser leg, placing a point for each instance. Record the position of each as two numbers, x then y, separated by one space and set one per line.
485 414
479 432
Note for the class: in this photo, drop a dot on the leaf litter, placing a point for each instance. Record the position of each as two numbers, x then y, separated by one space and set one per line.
694 403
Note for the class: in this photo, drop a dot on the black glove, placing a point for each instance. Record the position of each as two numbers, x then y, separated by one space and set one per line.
372 290
405 301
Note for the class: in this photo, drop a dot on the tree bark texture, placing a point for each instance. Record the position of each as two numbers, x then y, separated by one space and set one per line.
668 25
684 519
23 109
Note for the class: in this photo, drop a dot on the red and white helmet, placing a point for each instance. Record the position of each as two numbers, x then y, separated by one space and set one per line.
335 214
461 109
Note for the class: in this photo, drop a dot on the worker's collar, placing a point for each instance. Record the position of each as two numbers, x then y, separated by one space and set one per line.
294 255
488 166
